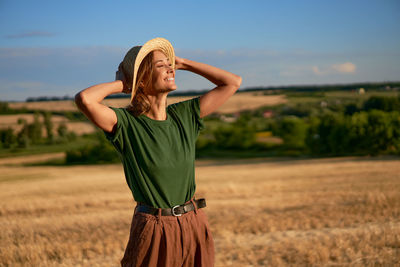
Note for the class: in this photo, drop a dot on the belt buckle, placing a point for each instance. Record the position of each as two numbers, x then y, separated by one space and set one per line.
173 211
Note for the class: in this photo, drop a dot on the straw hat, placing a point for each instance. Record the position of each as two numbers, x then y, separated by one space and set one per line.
134 57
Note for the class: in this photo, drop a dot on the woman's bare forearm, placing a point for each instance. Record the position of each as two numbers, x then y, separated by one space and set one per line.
98 92
213 74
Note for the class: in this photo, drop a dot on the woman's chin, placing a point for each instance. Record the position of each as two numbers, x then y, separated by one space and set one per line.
172 88
167 90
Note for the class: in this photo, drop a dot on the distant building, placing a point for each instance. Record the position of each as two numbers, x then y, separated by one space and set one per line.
268 114
227 118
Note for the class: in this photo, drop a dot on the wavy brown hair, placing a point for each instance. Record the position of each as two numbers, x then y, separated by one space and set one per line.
140 103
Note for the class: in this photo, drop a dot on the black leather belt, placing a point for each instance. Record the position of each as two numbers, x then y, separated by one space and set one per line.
177 210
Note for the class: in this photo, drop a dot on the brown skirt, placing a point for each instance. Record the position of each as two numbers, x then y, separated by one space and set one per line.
169 241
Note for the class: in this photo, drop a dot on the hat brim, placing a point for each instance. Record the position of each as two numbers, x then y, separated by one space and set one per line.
154 44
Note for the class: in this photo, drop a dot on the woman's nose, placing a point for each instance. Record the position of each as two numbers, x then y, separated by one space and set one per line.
170 69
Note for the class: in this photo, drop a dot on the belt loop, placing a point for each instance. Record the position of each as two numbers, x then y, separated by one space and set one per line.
194 205
159 216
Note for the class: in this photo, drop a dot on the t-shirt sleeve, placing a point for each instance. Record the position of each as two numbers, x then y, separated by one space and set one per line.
195 107
189 110
116 138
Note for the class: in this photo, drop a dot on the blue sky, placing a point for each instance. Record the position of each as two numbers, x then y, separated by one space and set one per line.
57 48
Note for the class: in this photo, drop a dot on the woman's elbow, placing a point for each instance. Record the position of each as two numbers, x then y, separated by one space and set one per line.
80 100
239 81
236 82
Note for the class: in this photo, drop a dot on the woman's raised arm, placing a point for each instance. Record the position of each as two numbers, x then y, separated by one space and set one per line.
88 101
227 83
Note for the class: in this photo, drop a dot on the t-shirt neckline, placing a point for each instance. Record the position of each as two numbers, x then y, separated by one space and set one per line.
166 121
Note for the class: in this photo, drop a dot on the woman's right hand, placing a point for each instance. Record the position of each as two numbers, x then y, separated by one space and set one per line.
119 75
179 63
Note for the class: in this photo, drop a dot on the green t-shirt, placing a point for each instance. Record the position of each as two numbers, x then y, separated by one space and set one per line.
158 156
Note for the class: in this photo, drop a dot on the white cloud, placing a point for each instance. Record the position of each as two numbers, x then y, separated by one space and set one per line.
346 68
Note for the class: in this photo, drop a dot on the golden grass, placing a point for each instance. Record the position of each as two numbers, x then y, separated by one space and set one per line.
263 212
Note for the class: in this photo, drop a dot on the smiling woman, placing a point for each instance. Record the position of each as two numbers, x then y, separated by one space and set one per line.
156 145
155 75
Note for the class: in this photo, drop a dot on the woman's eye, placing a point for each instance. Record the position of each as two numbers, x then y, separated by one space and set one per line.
163 65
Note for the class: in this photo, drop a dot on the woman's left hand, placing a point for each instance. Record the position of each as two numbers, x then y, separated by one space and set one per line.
179 62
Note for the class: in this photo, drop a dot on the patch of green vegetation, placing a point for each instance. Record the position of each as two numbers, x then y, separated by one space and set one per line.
44 148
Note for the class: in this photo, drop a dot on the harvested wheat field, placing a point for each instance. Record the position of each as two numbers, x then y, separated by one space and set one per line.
263 212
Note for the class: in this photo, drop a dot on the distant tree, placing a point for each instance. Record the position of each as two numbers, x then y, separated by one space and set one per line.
7 138
328 134
338 139
23 140
299 110
395 122
234 137
62 130
49 126
379 131
313 139
350 109
357 133
35 129
382 103
4 108
293 131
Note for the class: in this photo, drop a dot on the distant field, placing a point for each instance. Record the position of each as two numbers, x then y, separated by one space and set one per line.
299 97
263 212
11 121
239 101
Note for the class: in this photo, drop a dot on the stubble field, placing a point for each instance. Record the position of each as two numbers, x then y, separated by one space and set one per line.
262 212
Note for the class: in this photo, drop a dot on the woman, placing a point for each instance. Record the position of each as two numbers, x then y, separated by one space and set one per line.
156 145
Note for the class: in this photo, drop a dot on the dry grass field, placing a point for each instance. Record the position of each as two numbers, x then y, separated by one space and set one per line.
263 212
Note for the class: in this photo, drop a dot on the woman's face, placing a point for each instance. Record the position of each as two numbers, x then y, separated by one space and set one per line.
163 73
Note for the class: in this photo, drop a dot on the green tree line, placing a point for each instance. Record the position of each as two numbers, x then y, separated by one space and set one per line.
370 128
